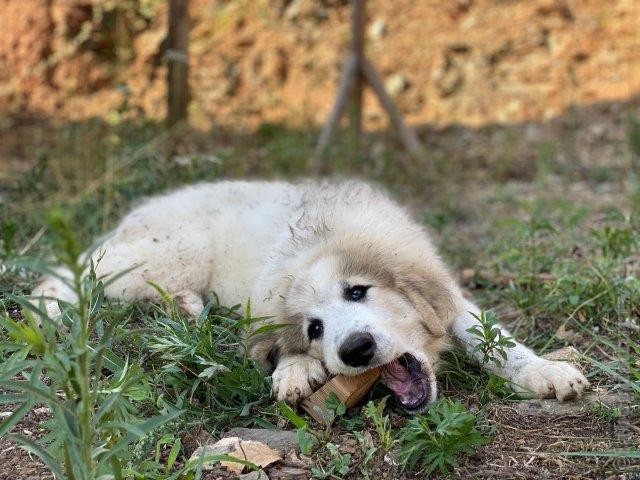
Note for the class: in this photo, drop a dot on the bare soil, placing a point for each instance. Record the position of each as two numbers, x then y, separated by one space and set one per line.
469 62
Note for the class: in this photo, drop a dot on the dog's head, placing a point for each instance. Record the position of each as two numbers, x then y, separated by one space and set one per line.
355 308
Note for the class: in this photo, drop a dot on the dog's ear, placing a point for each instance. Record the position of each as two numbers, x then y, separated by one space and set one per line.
263 348
431 296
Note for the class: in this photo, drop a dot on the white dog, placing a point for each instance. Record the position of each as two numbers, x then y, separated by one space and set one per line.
356 281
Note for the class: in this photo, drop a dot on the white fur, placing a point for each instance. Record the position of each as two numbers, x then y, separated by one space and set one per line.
260 240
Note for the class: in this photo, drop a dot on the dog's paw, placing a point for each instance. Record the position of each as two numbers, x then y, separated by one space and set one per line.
296 377
550 379
190 302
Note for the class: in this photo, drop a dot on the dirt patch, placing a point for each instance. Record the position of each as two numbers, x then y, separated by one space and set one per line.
16 462
469 62
529 448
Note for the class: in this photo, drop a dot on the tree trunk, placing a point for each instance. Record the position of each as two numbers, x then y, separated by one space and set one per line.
178 62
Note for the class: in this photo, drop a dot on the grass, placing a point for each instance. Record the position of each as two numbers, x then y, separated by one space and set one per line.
554 256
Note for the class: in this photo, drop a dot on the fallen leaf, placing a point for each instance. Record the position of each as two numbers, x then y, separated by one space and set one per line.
252 451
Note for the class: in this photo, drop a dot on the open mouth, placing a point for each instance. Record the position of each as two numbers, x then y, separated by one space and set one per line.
412 388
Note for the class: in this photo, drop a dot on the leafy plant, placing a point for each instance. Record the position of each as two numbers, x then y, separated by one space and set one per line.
374 412
160 466
433 441
368 449
307 438
493 343
90 390
617 241
335 406
606 412
334 409
217 376
338 467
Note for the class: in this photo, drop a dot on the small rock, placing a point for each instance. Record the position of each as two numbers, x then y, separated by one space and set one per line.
378 29
396 84
288 473
299 9
5 414
293 460
388 459
255 475
569 353
281 440
348 449
42 411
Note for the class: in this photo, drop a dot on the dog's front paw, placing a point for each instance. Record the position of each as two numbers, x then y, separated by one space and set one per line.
296 377
550 379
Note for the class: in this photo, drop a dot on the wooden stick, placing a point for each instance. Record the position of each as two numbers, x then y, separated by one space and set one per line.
357 50
348 77
357 71
178 72
349 390
407 135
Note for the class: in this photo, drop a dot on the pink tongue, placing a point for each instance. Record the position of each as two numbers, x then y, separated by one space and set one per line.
398 379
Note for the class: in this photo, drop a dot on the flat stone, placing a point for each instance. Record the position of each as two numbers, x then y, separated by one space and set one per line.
289 473
281 440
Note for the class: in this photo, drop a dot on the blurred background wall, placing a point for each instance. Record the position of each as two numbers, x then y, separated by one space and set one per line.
470 62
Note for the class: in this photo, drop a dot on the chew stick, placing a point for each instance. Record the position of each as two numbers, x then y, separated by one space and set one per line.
349 390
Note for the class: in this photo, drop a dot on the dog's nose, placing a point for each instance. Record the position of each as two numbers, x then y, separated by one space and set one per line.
358 349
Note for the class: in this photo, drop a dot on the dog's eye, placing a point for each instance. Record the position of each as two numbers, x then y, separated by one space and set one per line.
315 328
356 293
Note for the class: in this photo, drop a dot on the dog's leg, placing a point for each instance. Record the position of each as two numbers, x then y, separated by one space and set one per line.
53 288
296 376
529 374
50 290
190 302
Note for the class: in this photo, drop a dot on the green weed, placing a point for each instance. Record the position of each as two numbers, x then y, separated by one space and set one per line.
209 376
432 442
368 449
381 423
493 343
95 414
337 467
